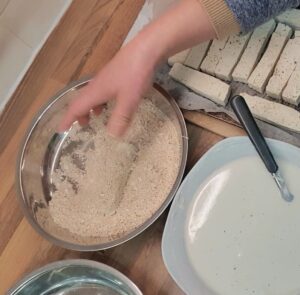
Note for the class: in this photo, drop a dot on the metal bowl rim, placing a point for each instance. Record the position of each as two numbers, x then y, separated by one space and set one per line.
130 235
74 262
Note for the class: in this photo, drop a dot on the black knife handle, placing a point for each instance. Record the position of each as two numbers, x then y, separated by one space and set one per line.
245 117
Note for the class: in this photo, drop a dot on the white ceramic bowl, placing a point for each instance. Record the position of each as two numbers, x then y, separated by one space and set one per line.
174 250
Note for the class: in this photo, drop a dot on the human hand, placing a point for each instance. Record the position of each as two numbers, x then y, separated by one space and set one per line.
125 78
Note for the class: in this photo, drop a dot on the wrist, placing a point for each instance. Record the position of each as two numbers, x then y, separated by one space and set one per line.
184 26
149 47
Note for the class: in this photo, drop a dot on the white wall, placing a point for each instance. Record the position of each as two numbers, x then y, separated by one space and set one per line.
24 28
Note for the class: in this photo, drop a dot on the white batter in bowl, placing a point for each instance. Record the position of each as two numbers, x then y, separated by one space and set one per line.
229 231
242 237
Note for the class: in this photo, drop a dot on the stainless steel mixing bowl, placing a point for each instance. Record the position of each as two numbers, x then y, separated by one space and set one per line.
75 277
39 156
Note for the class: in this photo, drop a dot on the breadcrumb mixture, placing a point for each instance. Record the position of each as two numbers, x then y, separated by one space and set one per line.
106 187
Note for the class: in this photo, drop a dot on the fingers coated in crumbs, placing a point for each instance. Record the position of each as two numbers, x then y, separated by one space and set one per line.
122 114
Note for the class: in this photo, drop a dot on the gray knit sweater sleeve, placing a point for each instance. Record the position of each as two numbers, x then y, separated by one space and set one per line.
251 13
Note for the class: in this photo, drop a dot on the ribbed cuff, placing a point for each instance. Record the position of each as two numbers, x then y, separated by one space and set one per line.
222 18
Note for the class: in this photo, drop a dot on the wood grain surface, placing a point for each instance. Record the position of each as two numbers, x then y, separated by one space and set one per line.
87 37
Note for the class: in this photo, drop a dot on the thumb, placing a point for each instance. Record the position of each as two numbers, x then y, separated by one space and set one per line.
122 114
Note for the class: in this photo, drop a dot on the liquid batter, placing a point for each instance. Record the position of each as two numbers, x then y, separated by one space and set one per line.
242 237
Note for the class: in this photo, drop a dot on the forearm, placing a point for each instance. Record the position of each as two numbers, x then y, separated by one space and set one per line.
194 21
128 75
185 25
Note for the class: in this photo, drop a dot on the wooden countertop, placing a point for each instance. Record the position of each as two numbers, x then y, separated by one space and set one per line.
86 38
